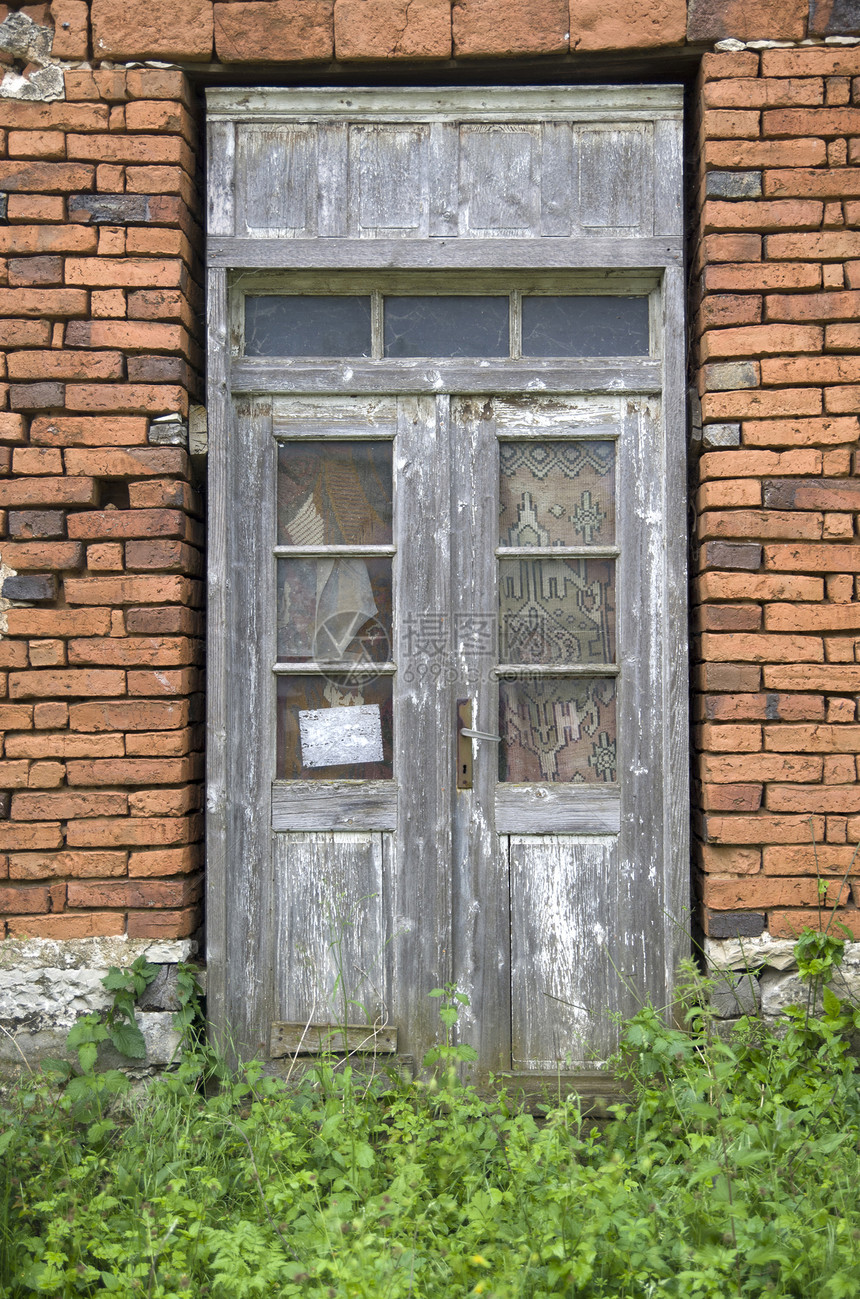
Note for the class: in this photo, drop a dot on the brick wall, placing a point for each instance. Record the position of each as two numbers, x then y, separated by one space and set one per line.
102 525
775 594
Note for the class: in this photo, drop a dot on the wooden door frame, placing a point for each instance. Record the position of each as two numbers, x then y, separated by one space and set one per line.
234 997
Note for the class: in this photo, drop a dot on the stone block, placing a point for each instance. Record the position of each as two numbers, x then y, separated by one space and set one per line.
715 436
392 29
746 20
161 1038
32 589
487 28
834 18
274 31
159 29
733 184
627 24
734 994
731 376
109 209
731 554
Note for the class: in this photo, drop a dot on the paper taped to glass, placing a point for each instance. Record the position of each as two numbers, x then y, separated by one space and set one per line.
335 737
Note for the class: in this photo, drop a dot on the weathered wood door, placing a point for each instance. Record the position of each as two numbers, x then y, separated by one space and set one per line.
444 505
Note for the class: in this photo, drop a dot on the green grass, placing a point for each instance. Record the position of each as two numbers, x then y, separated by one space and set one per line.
733 1170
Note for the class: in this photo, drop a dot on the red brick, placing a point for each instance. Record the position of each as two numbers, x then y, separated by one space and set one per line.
71 29
761 340
132 651
24 333
30 836
762 214
144 832
735 154
831 860
758 586
58 622
163 681
390 29
618 26
69 431
759 523
802 182
730 739
734 124
165 861
720 860
66 365
762 92
164 924
23 900
131 336
131 398
132 590
86 865
124 30
131 272
761 275
130 462
48 491
43 302
761 648
811 121
813 798
64 744
160 115
36 144
725 309
34 270
823 738
816 617
491 27
134 893
167 620
731 798
818 62
738 63
36 207
834 677
790 924
92 925
66 804
760 404
826 558
128 715
728 248
36 461
731 894
826 245
45 177
763 829
43 556
800 432
66 684
759 767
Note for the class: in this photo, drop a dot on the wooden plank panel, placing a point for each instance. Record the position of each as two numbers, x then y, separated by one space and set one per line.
501 253
443 175
499 180
322 1039
559 180
448 376
333 805
557 809
329 953
614 171
247 736
481 927
220 184
388 190
423 733
563 934
668 183
333 164
319 417
276 167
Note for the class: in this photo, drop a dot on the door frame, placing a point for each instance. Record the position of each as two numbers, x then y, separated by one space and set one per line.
237 997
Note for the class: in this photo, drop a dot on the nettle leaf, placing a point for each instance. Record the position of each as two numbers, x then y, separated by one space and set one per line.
832 1004
115 980
87 1029
128 1040
87 1054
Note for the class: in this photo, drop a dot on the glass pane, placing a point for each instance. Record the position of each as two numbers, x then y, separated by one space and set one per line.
554 611
304 325
446 326
585 326
557 493
558 731
334 728
334 609
334 493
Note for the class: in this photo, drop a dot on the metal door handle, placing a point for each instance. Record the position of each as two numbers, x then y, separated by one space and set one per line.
480 735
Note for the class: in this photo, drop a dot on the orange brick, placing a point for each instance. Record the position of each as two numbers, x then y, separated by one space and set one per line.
811 121
165 801
129 771
36 207
164 861
813 798
834 677
831 860
823 738
758 403
66 804
137 651
816 617
131 831
761 648
163 681
126 398
732 894
760 767
729 124
164 924
757 586
58 622
763 829
761 340
65 365
48 491
736 154
134 893
759 523
66 683
731 798
827 431
762 214
720 860
790 924
132 590
828 558
129 715
730 739
94 924
761 276
46 865
30 837
39 556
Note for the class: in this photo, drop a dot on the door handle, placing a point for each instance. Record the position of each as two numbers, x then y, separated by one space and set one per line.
465 736
480 735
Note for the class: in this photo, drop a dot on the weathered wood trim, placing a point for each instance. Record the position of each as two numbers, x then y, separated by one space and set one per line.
330 1039
379 104
557 809
449 376
221 181
334 805
462 253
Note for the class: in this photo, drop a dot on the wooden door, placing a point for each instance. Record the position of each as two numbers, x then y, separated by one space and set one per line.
483 530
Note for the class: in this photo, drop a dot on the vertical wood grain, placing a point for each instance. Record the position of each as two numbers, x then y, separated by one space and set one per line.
221 180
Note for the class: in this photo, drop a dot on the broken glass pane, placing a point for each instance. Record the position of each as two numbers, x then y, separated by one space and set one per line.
334 493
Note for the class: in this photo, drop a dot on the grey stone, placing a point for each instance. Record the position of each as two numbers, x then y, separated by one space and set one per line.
161 1038
779 991
5 804
43 85
110 209
40 525
733 184
735 924
4 207
730 376
26 40
162 993
717 436
834 17
749 953
32 588
37 396
169 433
735 994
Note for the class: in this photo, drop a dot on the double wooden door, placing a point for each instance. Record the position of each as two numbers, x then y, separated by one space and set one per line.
414 567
